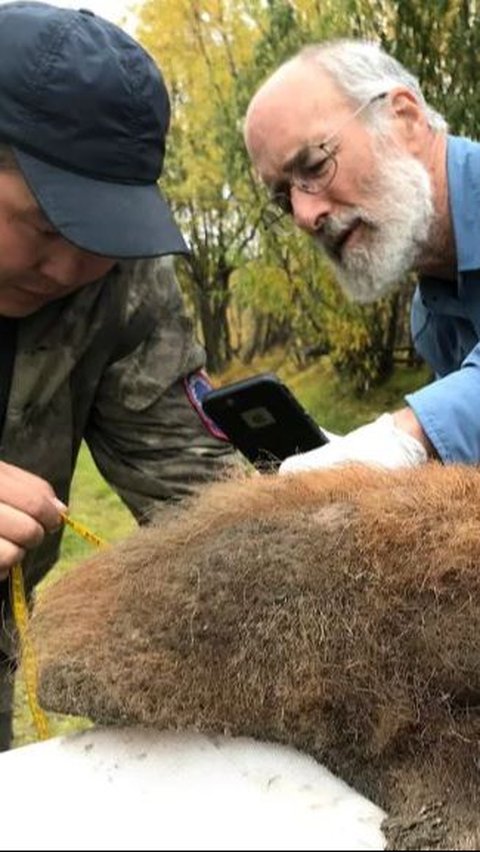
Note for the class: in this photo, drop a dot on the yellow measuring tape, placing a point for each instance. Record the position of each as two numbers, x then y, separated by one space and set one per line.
83 532
27 653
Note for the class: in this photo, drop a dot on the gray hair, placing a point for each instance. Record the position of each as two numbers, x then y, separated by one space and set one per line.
362 70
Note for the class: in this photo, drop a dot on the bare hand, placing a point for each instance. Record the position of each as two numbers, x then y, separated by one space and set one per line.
28 510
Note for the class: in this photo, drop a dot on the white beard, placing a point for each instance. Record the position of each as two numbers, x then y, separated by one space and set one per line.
396 229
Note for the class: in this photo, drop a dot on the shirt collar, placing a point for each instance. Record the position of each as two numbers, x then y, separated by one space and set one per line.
463 170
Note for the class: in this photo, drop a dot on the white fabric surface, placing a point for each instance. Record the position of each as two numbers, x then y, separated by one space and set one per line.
111 788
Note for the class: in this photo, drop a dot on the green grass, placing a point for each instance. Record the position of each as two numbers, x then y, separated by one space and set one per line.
328 400
333 405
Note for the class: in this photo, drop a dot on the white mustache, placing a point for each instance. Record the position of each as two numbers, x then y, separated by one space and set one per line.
336 228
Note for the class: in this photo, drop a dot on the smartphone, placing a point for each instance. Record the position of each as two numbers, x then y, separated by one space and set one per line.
263 419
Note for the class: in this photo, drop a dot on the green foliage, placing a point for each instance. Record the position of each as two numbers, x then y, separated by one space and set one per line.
260 287
333 403
357 342
439 41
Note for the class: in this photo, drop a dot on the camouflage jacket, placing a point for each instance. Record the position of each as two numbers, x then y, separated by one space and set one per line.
106 364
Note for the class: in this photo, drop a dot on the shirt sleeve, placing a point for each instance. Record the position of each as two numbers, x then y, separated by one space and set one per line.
449 412
146 436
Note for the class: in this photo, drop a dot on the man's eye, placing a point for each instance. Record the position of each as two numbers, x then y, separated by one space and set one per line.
281 199
46 230
279 196
317 166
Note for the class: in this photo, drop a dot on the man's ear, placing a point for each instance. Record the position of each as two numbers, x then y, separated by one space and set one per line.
408 118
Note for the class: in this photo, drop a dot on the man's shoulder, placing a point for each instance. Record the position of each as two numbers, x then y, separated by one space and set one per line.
148 282
147 268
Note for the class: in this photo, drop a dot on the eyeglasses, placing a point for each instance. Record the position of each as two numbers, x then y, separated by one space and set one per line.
315 166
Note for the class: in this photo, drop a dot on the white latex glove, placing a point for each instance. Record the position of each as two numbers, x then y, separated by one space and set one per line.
381 444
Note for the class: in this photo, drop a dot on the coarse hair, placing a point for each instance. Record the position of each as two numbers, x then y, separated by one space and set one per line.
363 70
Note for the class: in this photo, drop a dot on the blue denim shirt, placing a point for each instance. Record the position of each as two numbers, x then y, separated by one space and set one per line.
445 322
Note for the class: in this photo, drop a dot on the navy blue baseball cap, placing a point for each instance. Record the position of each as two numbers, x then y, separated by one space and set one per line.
86 111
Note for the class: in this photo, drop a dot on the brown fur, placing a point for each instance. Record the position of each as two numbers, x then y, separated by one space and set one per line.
337 611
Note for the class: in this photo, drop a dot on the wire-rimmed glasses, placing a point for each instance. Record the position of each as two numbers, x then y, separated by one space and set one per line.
313 168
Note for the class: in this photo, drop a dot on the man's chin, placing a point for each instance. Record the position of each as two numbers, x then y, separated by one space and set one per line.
9 312
22 304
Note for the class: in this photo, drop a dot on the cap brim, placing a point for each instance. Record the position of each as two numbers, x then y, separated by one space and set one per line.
111 219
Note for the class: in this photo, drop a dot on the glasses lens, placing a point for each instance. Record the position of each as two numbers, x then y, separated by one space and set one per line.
317 170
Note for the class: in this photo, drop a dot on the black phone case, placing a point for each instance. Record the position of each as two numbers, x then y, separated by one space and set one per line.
263 419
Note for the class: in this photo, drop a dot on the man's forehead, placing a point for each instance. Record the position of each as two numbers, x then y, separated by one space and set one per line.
288 115
300 87
15 192
17 200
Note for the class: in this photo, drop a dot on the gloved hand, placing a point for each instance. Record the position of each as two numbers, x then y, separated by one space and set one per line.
381 444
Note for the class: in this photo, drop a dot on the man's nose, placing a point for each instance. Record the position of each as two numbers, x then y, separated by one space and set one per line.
309 210
70 266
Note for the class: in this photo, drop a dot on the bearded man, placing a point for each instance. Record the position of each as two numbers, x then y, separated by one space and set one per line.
348 147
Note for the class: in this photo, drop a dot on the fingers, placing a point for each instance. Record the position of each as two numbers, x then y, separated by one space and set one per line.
10 555
31 495
29 509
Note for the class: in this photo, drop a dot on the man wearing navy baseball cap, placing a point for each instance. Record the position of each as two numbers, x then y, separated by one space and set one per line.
94 342
86 112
